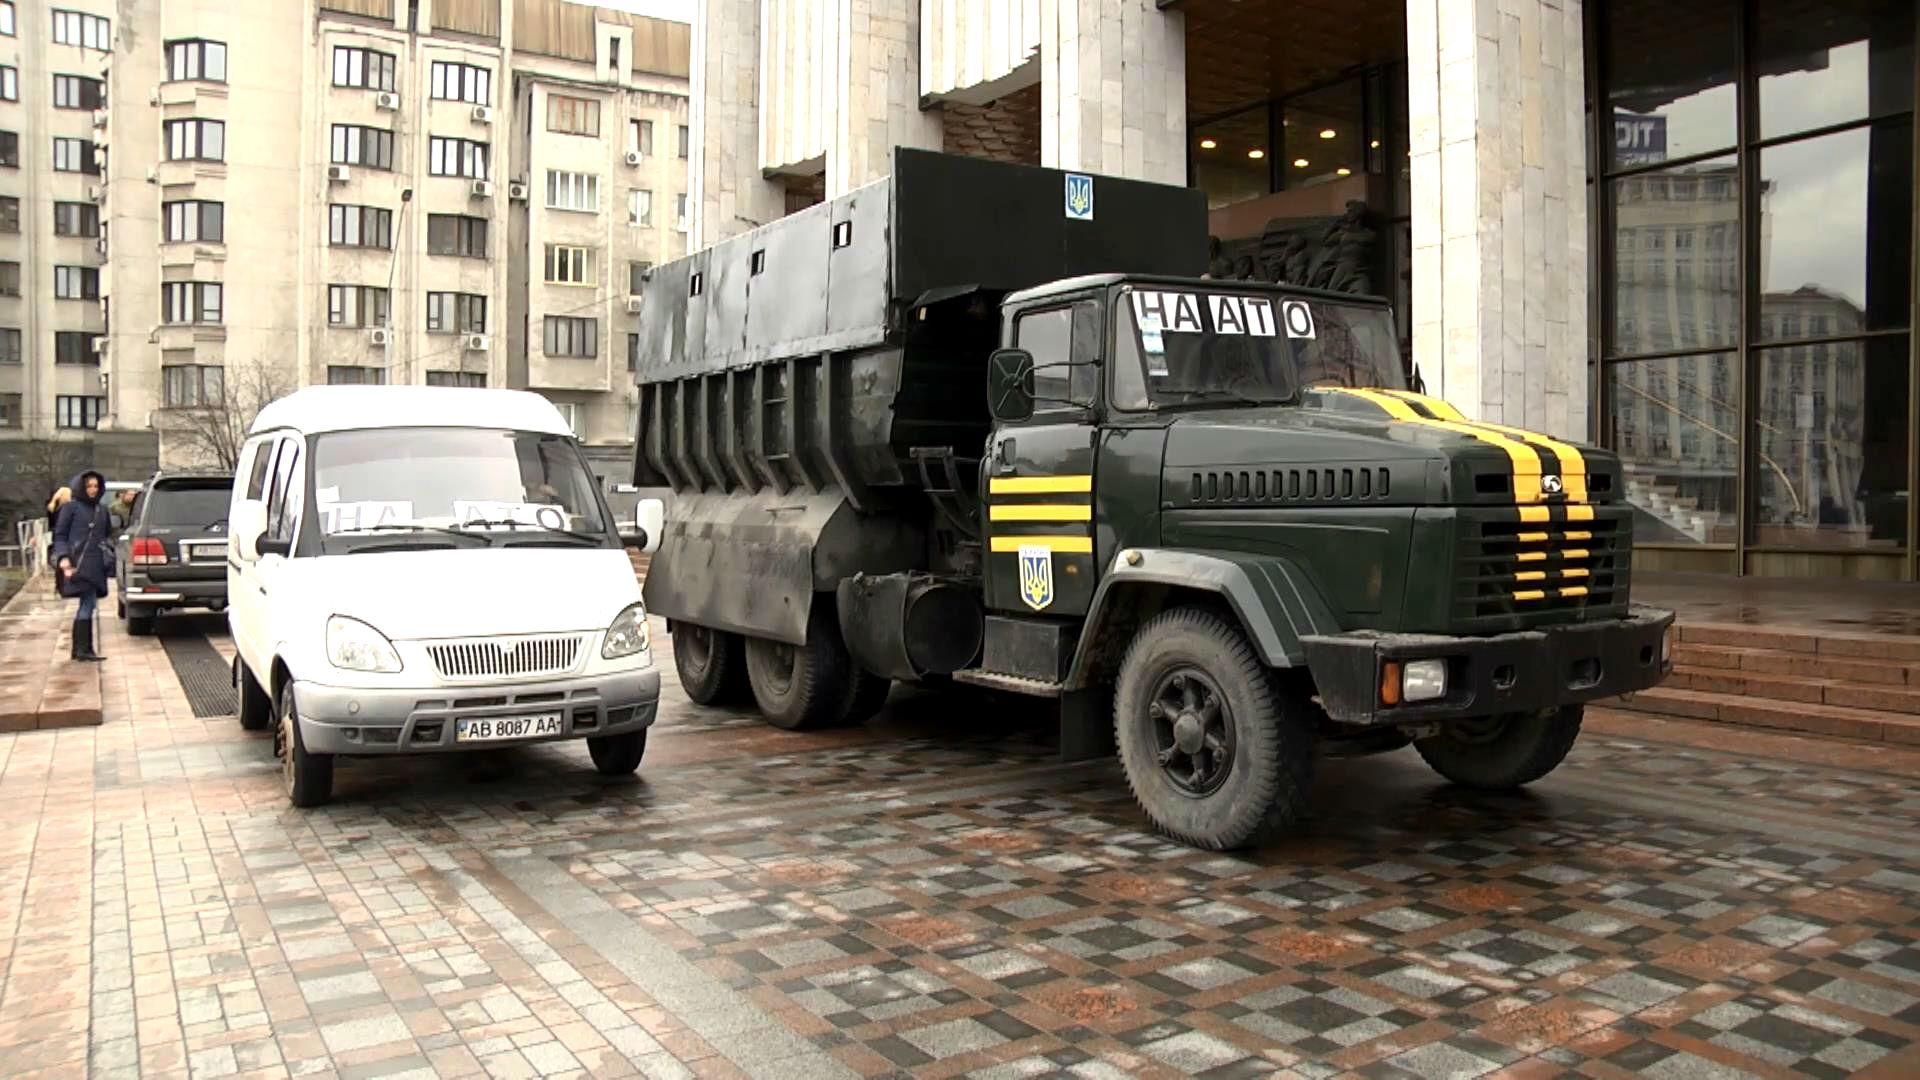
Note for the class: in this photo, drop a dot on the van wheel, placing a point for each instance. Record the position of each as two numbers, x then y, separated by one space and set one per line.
618 755
866 695
308 777
1496 753
254 707
800 687
1215 754
711 664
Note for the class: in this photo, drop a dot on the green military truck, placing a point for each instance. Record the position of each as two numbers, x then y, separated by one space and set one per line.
989 423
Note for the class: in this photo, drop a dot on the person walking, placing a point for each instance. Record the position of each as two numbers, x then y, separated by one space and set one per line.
83 556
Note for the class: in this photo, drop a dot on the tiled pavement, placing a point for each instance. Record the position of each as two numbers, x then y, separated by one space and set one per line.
934 896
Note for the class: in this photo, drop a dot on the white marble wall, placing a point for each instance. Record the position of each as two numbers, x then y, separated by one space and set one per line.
1496 96
878 77
726 189
1113 88
974 50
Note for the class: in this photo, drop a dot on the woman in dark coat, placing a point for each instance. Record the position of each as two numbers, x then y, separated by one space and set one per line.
83 556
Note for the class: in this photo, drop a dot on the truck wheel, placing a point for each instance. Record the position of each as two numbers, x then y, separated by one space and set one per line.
800 687
1216 757
308 777
1499 752
618 755
866 695
712 669
252 703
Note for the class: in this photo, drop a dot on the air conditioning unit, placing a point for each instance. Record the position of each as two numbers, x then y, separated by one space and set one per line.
98 193
482 114
517 191
153 174
386 100
100 245
339 174
379 337
100 344
633 305
153 96
481 189
99 118
634 158
476 343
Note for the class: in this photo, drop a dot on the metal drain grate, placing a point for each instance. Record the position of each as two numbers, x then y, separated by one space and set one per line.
204 674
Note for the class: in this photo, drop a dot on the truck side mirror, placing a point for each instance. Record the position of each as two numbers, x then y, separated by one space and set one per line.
1010 385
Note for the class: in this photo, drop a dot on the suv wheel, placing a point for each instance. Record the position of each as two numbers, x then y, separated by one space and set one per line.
308 777
139 620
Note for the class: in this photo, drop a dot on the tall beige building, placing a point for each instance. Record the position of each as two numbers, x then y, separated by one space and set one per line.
204 200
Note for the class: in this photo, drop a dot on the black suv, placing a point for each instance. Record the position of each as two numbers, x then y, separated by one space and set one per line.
173 552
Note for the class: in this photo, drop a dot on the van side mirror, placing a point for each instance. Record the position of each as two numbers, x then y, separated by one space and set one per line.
247 526
1010 385
264 546
650 519
634 536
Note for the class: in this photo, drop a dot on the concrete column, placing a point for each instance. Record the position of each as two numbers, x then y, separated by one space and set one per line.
1113 88
727 193
1496 92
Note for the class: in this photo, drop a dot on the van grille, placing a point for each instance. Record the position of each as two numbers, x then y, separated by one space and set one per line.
1321 485
1569 568
486 658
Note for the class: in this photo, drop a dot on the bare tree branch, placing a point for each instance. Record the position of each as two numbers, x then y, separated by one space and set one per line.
210 435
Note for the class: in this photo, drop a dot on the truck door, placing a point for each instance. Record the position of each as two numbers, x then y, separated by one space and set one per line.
1039 473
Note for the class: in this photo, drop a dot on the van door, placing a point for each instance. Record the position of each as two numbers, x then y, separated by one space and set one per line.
285 491
250 484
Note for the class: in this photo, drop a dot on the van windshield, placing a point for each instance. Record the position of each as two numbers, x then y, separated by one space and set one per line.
490 483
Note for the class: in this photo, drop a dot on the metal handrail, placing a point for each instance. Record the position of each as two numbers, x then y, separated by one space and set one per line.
1798 507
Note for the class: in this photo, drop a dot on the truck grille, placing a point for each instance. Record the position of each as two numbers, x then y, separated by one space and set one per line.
488 658
1536 566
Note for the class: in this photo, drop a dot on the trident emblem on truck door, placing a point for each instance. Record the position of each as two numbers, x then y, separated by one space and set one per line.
1036 575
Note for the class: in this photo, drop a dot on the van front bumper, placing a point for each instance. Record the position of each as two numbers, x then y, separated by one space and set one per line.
354 720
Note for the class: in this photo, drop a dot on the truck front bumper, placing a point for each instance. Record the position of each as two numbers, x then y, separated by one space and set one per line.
353 720
1527 671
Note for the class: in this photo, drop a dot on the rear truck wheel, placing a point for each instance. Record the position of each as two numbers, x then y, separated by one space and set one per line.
711 665
308 777
866 695
1216 755
252 704
1496 753
618 755
801 687
139 621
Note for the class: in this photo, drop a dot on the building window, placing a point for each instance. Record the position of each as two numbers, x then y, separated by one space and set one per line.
573 191
572 115
685 142
189 386
193 220
9 279
9 83
6 18
472 379
10 345
10 214
357 145
196 140
74 155
457 234
342 375
569 265
196 60
568 336
456 313
360 226
363 68
78 92
457 157
10 409
680 212
640 137
462 82
76 283
74 348
639 207
76 219
76 411
356 305
637 276
190 302
10 149
633 353
78 28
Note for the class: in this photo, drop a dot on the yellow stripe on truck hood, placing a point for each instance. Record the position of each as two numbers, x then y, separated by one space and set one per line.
1573 464
1524 459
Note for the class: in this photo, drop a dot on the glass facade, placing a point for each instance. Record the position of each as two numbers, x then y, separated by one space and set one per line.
1754 225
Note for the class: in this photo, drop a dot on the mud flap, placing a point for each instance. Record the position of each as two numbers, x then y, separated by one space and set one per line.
1086 724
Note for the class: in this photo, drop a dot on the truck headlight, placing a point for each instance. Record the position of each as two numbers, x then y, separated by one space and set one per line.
354 646
1423 680
627 635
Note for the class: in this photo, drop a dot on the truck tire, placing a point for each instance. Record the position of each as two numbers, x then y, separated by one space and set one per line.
618 755
711 664
254 707
308 777
1217 757
1496 753
866 696
802 687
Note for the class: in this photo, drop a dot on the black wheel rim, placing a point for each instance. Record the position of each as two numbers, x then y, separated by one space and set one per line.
780 659
1479 730
1192 731
698 647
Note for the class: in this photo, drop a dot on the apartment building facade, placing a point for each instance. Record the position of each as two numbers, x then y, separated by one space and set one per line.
238 198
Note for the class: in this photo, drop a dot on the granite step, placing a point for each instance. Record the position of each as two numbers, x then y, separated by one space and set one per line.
1805 718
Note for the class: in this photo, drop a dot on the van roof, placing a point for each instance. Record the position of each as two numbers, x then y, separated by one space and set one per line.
348 408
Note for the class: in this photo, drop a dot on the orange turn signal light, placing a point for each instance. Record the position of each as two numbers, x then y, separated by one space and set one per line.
1390 683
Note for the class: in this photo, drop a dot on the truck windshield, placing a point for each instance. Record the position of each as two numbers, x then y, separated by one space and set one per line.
383 484
1186 346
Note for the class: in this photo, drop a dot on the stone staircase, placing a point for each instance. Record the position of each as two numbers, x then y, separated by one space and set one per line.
1806 681
1681 513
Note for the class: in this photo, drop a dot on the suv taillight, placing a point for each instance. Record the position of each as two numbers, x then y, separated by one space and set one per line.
149 552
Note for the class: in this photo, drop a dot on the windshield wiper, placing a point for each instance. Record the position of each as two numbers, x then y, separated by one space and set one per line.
516 526
407 526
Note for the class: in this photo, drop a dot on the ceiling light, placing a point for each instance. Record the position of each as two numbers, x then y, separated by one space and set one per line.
1208 144
1301 163
1375 144
1344 171
1256 154
1328 133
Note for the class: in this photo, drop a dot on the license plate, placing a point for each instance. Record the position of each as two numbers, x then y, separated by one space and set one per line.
503 728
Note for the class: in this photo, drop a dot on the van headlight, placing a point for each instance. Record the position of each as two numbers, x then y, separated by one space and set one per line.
627 635
354 646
